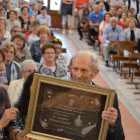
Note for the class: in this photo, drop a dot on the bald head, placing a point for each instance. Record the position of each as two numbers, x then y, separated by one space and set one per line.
96 8
101 6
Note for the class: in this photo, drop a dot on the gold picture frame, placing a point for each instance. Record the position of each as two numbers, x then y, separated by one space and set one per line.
42 101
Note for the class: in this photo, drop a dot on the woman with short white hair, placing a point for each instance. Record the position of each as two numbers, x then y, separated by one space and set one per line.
15 87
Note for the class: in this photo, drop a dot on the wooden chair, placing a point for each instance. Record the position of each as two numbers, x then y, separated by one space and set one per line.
24 31
130 46
96 37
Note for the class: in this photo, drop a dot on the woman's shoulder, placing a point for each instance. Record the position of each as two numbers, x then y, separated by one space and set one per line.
61 56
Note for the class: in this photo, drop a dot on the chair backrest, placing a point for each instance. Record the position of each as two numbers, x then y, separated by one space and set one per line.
137 56
64 50
96 27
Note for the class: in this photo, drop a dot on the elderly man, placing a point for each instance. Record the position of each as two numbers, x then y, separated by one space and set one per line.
116 3
95 18
101 8
111 32
84 70
15 87
82 15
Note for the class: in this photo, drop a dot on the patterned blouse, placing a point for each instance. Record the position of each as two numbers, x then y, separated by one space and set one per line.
20 124
36 51
5 104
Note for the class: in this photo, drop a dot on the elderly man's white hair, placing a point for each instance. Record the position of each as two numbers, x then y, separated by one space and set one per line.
113 18
26 63
93 56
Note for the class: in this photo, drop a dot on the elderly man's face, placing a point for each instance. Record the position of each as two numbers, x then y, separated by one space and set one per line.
85 8
113 22
81 70
101 6
15 30
96 8
119 12
30 68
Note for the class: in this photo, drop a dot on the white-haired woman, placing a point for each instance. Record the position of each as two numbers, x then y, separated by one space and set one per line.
15 87
12 70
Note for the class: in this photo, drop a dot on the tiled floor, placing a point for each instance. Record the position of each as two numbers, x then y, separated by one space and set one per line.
129 104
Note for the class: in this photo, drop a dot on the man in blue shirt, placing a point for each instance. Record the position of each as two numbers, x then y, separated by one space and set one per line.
94 19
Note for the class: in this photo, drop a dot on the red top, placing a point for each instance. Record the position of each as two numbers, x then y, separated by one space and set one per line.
124 26
80 3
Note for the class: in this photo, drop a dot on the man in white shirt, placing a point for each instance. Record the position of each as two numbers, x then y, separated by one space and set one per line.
116 3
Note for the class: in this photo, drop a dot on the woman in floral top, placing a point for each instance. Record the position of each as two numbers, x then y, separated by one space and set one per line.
23 103
49 67
43 33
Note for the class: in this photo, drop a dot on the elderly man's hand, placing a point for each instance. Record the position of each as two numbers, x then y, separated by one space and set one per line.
21 136
9 115
110 115
45 23
113 46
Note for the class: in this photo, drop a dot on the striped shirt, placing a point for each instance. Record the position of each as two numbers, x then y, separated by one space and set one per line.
110 34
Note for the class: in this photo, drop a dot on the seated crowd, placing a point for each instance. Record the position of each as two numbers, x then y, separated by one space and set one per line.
119 22
26 48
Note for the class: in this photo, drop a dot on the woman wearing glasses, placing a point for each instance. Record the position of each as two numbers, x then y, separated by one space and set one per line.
49 67
12 70
22 52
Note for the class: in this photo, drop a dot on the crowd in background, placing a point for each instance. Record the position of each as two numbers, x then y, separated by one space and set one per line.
26 48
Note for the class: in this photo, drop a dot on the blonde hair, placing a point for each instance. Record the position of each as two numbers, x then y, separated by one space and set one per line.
130 20
45 29
6 46
2 19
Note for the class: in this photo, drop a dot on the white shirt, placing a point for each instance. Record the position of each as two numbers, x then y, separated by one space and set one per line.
116 2
132 5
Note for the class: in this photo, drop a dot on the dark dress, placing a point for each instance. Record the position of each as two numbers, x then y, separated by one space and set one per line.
66 9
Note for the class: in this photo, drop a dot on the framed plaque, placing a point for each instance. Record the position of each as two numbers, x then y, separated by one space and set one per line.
65 110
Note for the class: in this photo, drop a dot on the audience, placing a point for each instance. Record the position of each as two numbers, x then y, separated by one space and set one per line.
119 14
50 67
123 21
106 21
101 8
129 14
82 15
12 20
112 11
8 4
131 33
22 54
24 16
2 12
31 36
31 19
111 32
8 114
16 87
94 19
66 13
3 34
43 33
36 9
124 8
12 70
133 4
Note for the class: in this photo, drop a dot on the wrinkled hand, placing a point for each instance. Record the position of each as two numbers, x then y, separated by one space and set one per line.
110 115
21 136
9 115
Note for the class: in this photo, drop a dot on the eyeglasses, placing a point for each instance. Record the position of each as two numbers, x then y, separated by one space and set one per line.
50 53
16 31
30 71
57 40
